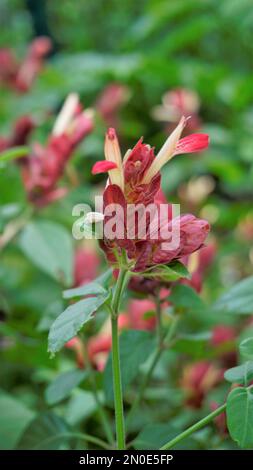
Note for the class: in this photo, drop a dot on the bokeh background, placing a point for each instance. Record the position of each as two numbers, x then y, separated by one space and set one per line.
159 58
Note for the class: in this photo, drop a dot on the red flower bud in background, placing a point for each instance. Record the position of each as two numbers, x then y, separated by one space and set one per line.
139 314
77 346
86 265
8 66
220 420
176 103
197 264
20 134
198 379
45 166
224 340
110 101
21 76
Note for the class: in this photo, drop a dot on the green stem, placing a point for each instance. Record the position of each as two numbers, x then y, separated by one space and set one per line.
102 413
195 427
117 387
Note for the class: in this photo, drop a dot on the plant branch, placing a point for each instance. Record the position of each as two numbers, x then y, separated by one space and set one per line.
195 427
117 386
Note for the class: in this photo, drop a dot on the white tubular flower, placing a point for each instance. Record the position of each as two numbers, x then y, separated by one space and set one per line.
166 152
113 155
66 114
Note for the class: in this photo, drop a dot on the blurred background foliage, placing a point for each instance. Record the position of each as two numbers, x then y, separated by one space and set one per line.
150 46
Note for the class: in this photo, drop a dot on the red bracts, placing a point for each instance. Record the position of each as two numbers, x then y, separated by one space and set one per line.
135 180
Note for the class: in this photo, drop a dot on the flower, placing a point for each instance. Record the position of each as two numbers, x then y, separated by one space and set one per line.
46 165
197 264
86 265
110 101
136 179
198 379
77 346
20 134
21 76
224 341
140 314
177 102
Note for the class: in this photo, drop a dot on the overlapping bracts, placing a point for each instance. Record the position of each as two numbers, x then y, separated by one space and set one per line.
137 180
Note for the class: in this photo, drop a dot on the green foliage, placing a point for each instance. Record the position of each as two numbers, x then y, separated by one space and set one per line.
186 299
150 47
246 348
62 386
93 288
240 416
135 348
46 432
68 323
193 344
14 418
168 273
154 436
241 374
239 299
49 246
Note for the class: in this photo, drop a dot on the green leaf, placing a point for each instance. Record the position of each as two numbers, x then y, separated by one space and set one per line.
63 385
135 347
81 405
154 436
240 416
241 374
46 432
49 246
246 348
192 344
169 273
185 298
12 153
239 299
67 325
14 419
93 288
